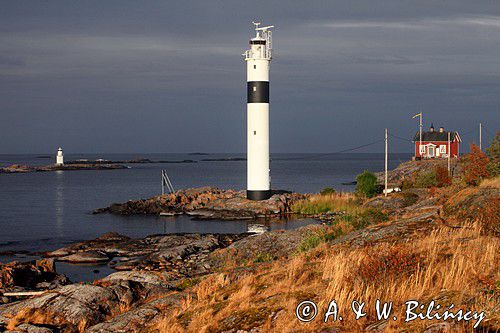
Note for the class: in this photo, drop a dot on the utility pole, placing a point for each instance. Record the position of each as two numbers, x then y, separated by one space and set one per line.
449 155
480 136
386 153
420 131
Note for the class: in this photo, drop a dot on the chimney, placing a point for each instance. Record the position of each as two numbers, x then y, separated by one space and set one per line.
431 129
441 129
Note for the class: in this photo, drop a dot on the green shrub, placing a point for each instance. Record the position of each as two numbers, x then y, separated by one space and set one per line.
315 238
327 191
426 179
187 283
358 220
367 217
311 241
366 184
263 257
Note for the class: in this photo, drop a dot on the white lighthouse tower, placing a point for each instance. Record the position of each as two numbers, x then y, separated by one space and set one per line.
258 58
59 157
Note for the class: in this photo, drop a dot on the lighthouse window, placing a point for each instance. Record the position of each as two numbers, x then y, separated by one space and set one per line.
254 132
254 88
254 66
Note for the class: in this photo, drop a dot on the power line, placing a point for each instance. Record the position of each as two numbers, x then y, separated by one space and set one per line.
327 154
401 138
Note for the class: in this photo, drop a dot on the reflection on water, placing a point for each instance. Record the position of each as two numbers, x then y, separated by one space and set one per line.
59 202
258 228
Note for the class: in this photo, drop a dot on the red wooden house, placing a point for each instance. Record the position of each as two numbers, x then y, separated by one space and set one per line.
435 144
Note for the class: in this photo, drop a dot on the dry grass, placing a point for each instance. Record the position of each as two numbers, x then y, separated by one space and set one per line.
491 182
449 265
318 203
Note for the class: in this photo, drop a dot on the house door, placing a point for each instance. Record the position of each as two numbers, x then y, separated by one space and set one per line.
430 151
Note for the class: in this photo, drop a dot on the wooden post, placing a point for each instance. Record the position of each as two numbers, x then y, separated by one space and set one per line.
420 135
386 158
449 155
480 136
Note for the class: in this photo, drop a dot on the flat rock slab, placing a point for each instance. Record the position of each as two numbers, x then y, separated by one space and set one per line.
86 257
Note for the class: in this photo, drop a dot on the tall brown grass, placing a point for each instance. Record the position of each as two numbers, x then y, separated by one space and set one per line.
322 203
449 265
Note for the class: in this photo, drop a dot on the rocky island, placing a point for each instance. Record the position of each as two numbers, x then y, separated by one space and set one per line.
16 168
434 241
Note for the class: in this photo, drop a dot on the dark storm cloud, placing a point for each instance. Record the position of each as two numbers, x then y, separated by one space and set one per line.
164 76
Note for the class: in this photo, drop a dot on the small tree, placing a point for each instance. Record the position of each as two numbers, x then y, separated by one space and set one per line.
493 152
366 184
328 191
442 176
475 166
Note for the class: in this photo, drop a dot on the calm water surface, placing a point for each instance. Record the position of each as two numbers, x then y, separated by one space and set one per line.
46 210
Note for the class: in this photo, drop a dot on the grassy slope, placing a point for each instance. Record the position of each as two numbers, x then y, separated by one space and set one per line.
450 263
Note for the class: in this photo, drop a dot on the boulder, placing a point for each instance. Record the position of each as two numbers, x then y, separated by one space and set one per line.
30 275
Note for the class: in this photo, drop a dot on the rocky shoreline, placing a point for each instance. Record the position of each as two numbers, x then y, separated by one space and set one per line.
208 203
150 271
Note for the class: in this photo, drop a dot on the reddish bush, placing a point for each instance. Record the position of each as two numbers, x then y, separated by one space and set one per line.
442 176
475 166
391 262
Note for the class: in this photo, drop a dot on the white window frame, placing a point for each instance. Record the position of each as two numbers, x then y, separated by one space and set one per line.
442 149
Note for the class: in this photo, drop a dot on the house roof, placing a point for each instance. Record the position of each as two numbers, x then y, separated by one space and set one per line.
436 136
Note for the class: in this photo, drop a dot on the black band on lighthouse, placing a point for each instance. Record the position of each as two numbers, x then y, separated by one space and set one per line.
258 92
259 195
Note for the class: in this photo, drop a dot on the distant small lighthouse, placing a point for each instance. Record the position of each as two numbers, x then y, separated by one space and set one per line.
258 59
59 157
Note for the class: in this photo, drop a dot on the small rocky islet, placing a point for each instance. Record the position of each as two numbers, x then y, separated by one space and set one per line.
18 168
84 164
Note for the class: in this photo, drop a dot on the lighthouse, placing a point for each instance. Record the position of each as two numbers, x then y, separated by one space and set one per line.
258 59
59 157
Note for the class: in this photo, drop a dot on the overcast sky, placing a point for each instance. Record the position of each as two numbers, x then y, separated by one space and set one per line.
168 76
